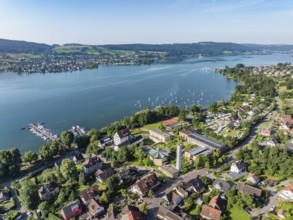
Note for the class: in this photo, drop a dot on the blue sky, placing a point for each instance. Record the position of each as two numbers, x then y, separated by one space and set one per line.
147 21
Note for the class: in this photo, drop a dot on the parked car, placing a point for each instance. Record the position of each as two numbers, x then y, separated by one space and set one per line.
272 208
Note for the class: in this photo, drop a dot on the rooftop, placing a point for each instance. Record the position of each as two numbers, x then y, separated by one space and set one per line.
206 140
159 153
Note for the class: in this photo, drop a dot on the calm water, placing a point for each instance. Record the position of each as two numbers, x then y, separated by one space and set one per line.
94 98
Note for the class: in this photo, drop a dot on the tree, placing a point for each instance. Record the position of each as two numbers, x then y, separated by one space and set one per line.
68 169
46 152
10 162
28 194
143 208
105 198
67 137
30 157
112 182
213 107
150 194
45 206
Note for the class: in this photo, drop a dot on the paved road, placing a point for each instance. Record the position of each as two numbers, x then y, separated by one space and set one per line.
154 202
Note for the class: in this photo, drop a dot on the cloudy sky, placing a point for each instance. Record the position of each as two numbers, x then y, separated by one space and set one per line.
147 21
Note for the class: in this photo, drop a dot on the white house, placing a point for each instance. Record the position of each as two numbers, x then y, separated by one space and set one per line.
122 136
238 167
253 179
287 193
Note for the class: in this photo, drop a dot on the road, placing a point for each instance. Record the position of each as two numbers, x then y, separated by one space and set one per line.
154 202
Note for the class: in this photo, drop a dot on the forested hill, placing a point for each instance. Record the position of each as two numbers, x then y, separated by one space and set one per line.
204 48
15 46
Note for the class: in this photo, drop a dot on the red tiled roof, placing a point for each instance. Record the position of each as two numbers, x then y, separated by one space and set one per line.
170 121
210 213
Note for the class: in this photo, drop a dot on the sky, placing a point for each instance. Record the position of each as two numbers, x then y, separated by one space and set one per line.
147 21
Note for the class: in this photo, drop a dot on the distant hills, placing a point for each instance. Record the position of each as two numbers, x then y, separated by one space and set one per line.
182 49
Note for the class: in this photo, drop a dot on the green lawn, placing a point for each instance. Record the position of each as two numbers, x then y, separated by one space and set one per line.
238 214
152 126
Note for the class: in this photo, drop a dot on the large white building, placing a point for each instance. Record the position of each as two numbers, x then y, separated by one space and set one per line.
121 137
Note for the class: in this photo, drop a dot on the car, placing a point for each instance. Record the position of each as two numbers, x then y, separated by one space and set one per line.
272 208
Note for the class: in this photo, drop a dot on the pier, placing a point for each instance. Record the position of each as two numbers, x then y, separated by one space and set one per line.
78 131
41 131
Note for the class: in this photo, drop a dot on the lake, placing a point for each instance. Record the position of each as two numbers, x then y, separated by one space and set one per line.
94 98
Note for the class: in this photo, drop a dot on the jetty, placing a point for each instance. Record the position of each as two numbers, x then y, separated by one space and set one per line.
41 131
78 131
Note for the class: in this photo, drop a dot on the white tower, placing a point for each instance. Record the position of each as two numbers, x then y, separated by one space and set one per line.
179 158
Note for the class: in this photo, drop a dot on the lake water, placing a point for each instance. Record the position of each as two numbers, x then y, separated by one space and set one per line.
94 98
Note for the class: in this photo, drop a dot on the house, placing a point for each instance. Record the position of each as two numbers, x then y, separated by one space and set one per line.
122 137
165 214
217 202
103 175
110 216
78 158
204 141
92 164
195 185
238 167
208 212
287 193
184 133
48 190
131 213
253 179
94 210
105 141
158 156
181 192
145 184
86 195
266 132
252 191
4 195
71 210
169 170
157 136
127 174
222 185
172 199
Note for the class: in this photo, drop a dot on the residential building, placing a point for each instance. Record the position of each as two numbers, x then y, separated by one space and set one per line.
169 170
128 174
181 192
238 167
131 213
252 191
86 195
145 184
222 185
4 195
157 135
78 158
172 199
194 185
48 190
281 213
103 175
105 141
266 132
92 164
71 210
218 202
166 214
94 210
208 212
158 156
204 141
184 133
253 179
286 193
122 137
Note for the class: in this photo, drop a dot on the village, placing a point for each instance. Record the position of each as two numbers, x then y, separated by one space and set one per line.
230 161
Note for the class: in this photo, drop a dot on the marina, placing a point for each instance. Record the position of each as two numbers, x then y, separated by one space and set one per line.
41 131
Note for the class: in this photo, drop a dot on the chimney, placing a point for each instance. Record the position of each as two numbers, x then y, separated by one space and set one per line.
179 158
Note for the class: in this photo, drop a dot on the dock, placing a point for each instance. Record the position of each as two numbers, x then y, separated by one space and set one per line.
41 131
78 131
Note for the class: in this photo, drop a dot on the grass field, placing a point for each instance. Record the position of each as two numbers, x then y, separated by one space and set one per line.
152 126
238 214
